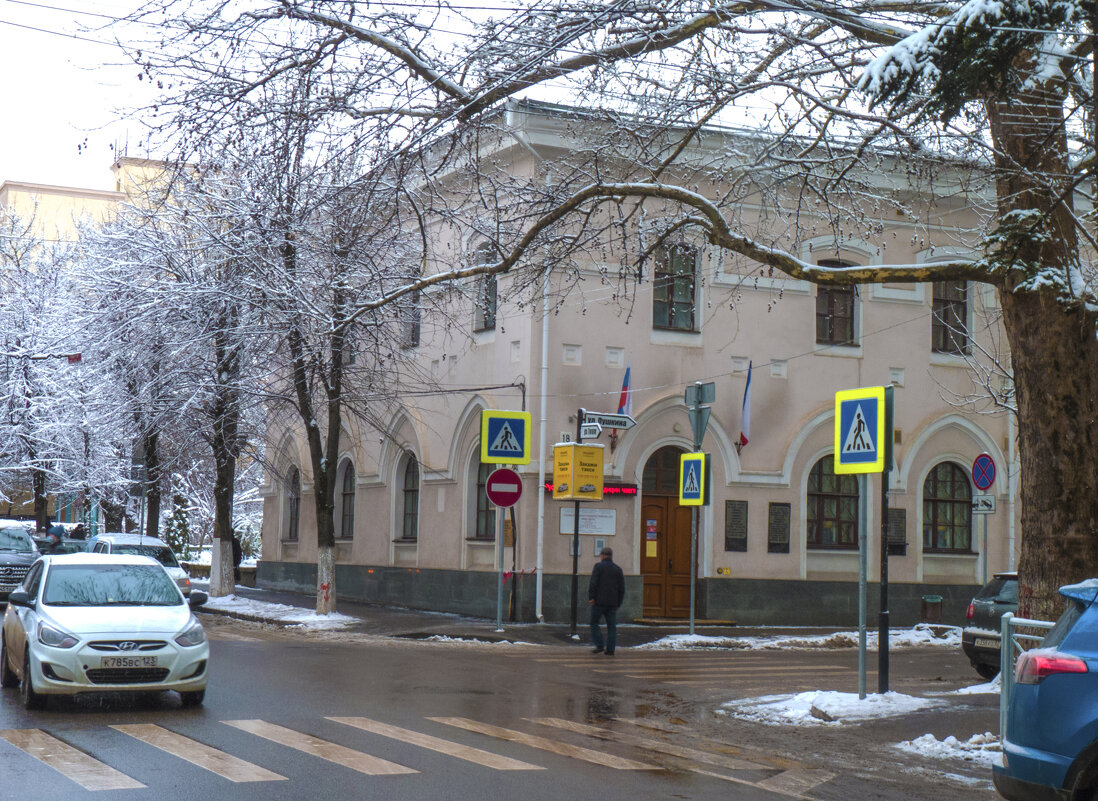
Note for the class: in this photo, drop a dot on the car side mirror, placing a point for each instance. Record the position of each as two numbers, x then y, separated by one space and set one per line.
20 598
196 598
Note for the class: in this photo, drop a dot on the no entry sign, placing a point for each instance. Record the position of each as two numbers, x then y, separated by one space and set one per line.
983 471
504 487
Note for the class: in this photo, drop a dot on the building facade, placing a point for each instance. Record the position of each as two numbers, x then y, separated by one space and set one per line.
778 543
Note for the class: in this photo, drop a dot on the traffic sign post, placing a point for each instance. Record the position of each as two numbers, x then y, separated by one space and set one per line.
694 397
983 477
863 444
503 488
504 437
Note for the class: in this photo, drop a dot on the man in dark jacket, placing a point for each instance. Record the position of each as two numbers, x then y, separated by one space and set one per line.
605 594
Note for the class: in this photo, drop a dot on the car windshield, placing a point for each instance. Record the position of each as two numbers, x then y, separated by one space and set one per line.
160 553
15 539
109 585
1003 590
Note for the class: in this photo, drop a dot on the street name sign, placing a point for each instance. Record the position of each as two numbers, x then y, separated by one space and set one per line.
860 436
504 437
609 420
504 487
694 479
590 430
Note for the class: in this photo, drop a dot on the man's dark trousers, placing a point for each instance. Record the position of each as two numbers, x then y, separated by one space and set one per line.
611 615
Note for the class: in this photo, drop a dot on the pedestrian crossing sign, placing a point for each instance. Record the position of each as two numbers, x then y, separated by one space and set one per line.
504 437
860 431
694 479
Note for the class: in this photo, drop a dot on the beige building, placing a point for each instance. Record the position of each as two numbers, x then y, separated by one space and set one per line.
778 542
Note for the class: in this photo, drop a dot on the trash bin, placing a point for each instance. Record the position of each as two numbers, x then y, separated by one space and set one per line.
932 609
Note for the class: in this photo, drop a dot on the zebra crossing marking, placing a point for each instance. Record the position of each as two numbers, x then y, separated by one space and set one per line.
466 752
200 754
314 746
73 764
796 780
545 744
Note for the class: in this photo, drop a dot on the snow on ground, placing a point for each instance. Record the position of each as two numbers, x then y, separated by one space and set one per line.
920 635
983 749
279 613
989 688
820 707
471 640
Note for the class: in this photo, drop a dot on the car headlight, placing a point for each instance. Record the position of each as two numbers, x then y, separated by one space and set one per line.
55 638
192 635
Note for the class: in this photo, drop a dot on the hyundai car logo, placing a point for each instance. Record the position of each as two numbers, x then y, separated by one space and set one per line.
126 646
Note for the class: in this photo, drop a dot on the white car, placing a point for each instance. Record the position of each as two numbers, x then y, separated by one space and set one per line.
88 622
148 546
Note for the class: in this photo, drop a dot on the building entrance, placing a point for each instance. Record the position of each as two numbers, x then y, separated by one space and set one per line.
664 538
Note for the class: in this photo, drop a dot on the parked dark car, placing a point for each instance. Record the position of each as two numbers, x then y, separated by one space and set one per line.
66 545
17 553
1050 746
980 636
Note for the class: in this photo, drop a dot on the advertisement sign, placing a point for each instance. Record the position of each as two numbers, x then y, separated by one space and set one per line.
577 472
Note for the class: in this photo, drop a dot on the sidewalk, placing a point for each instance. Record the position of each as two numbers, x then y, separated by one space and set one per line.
419 624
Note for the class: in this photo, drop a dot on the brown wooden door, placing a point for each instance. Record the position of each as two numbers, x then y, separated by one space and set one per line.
665 557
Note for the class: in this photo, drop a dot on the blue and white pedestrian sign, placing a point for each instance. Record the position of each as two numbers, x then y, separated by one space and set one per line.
860 436
504 437
694 479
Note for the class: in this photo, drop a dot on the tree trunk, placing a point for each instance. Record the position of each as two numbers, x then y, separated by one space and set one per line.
152 484
1054 353
325 580
41 509
222 579
113 515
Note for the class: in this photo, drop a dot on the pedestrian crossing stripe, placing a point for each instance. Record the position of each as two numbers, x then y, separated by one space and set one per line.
504 437
861 443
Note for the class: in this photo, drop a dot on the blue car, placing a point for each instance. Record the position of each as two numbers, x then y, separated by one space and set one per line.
1051 745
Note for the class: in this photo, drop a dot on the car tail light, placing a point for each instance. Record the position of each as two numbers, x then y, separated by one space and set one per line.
971 613
1033 666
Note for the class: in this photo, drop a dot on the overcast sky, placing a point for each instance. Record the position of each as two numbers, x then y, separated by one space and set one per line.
59 91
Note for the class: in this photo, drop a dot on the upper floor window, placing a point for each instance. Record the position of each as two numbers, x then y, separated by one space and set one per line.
836 323
410 513
947 510
832 507
674 287
346 528
484 299
410 320
949 320
293 503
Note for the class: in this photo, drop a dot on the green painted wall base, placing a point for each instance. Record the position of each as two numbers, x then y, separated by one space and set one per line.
748 602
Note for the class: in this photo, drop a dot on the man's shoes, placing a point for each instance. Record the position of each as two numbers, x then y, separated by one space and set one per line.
609 653
596 650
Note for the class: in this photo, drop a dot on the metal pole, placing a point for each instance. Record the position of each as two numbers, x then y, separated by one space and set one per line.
863 569
539 562
693 560
499 568
984 516
576 535
882 623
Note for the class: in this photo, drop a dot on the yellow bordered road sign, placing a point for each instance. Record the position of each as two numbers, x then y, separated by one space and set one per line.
504 437
860 436
694 479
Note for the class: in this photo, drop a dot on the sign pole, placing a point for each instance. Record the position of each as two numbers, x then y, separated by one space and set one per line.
693 561
882 634
576 537
863 565
499 569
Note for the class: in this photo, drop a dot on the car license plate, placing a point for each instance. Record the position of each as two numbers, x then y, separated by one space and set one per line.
984 642
127 661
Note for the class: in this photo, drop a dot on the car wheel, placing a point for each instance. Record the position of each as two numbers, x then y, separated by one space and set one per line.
31 699
193 698
987 671
8 678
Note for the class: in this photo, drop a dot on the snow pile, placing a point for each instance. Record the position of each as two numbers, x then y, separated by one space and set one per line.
277 613
471 640
991 687
820 707
920 635
983 749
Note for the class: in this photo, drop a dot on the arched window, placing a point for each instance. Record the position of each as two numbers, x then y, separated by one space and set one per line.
346 529
410 520
484 527
661 472
947 510
832 502
293 503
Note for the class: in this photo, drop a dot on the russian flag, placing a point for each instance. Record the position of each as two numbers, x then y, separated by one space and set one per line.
745 415
625 402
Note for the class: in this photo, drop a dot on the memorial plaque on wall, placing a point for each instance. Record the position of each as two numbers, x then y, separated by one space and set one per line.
735 525
897 532
777 528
